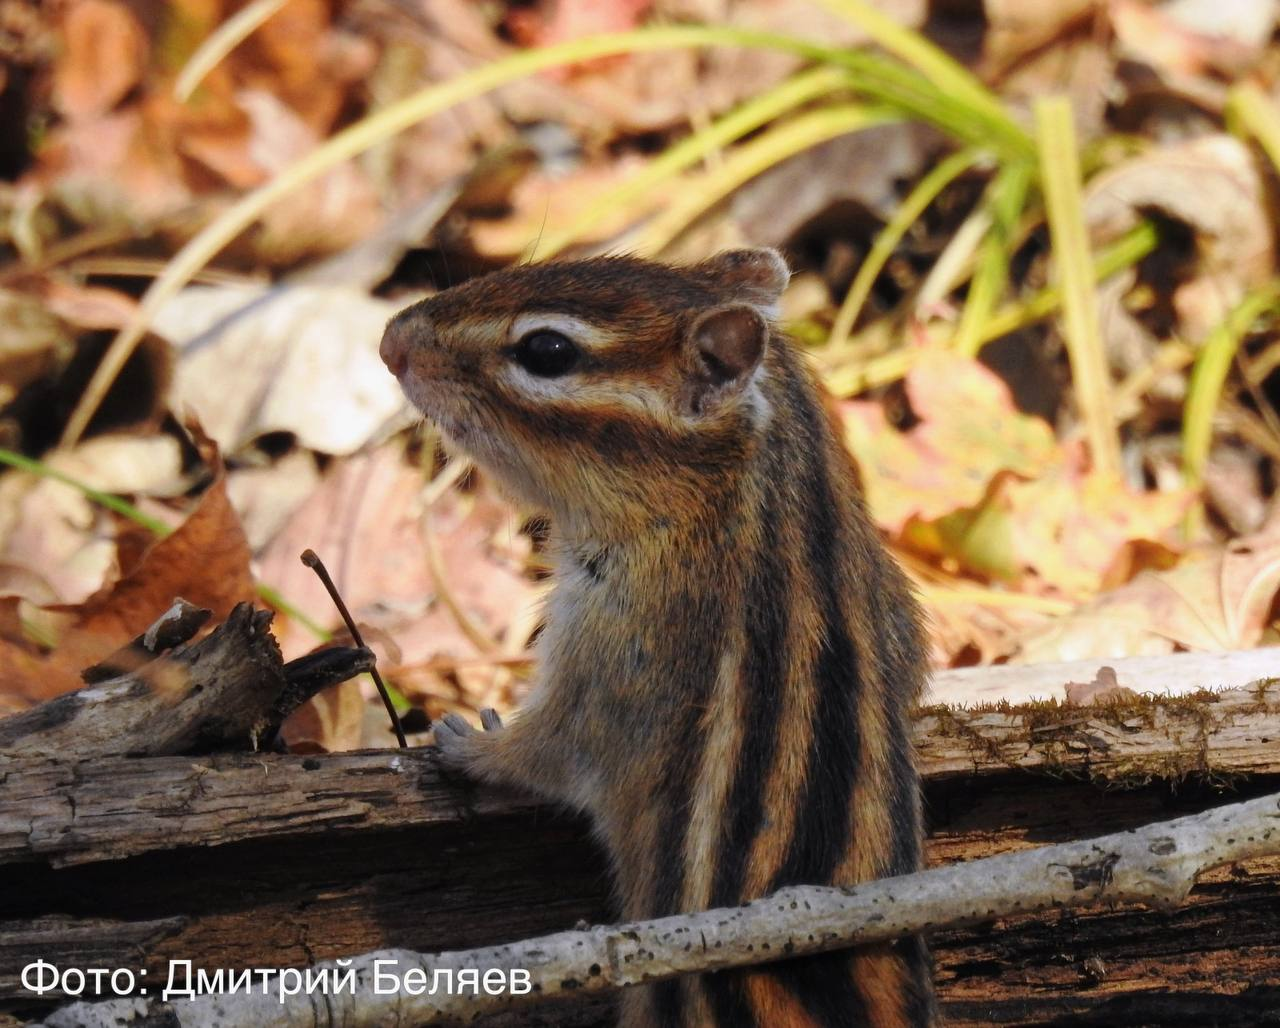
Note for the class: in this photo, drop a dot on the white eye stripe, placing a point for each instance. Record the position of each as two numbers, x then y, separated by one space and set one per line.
583 333
580 395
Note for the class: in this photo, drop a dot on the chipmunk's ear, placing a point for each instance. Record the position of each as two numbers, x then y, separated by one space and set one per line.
757 275
725 347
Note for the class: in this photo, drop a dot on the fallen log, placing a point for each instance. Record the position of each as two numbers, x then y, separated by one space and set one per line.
1157 866
1126 741
70 811
198 858
201 859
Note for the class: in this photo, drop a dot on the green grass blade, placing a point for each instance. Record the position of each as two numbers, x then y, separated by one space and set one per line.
1060 177
107 500
855 377
877 78
1209 375
1006 197
153 525
903 88
748 161
759 110
1250 112
1125 252
907 214
950 77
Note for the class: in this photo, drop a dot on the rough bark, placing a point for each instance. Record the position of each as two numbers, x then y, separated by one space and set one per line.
68 812
480 871
1122 742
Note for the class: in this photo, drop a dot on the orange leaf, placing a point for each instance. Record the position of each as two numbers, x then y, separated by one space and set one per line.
205 561
969 432
1218 597
105 53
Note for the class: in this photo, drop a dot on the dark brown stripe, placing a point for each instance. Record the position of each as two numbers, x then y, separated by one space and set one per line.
730 1006
821 835
692 671
668 1004
899 651
766 602
825 988
921 1003
625 293
904 816
624 437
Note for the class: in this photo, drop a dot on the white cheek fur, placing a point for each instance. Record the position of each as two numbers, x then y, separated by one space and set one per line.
540 387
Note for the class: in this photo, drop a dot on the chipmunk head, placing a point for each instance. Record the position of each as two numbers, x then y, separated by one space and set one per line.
577 382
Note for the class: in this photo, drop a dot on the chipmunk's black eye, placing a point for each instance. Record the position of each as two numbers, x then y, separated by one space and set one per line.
546 353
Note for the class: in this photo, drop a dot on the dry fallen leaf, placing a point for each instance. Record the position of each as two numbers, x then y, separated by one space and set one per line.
1218 597
979 482
205 560
366 521
1211 184
969 432
1081 530
862 170
362 520
1016 29
267 496
545 202
53 535
564 20
103 57
296 358
1192 37
335 211
126 463
126 149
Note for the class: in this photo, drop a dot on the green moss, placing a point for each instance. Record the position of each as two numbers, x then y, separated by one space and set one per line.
1052 729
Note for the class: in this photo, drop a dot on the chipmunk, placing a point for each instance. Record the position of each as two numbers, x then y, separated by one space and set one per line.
729 653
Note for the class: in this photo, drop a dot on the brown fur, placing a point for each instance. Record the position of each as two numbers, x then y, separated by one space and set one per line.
729 653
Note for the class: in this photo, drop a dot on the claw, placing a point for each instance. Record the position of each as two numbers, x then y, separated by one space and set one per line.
455 723
455 740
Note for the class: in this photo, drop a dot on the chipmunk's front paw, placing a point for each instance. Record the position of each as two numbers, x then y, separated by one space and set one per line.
460 744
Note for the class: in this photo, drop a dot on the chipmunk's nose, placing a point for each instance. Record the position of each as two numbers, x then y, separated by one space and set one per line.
402 332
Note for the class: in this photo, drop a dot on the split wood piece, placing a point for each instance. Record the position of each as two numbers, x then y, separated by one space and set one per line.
228 691
177 625
73 812
1156 866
